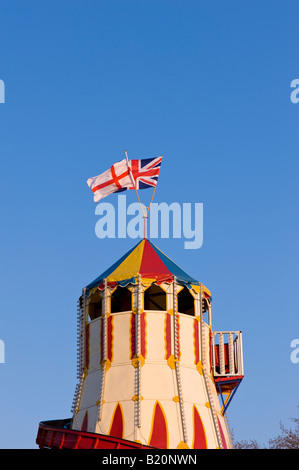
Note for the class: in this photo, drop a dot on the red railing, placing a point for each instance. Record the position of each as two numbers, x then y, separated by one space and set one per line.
227 357
58 435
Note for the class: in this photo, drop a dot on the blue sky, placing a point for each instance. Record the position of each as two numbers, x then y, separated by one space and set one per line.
206 84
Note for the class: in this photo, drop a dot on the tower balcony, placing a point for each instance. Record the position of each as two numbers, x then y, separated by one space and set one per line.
227 363
227 356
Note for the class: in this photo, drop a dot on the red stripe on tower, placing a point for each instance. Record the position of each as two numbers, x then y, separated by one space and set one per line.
167 336
117 425
199 436
133 336
222 434
110 338
84 426
177 339
158 437
87 333
196 341
142 333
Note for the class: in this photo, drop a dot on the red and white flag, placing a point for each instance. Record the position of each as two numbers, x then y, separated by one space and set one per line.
126 174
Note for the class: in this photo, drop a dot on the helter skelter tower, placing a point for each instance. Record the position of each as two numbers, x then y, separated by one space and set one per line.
152 372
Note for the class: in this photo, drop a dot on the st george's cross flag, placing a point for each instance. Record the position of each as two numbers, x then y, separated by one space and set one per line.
126 174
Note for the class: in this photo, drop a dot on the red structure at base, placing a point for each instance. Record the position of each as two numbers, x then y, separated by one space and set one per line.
59 435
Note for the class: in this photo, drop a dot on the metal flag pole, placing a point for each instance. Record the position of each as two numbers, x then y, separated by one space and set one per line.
146 211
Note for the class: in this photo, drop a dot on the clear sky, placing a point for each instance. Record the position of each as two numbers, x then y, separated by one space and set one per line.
206 84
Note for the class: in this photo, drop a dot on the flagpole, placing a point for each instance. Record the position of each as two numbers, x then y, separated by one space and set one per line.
144 226
142 210
145 213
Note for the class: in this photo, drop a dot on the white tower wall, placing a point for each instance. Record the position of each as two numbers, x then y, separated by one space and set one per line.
144 370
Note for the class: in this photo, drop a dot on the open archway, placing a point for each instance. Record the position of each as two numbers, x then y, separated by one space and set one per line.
186 302
121 300
95 305
154 298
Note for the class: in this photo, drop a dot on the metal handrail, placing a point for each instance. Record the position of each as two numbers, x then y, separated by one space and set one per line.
229 359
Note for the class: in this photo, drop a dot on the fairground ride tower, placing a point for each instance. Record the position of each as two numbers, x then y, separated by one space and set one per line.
152 373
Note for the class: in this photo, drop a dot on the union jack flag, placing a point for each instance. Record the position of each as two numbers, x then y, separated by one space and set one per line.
145 172
126 174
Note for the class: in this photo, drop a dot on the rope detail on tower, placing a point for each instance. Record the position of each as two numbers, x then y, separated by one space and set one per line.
176 359
104 351
81 313
138 352
206 375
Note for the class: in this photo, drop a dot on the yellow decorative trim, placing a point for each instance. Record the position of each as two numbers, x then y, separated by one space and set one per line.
92 291
203 289
171 361
197 318
183 445
135 398
208 404
176 398
179 288
106 364
147 280
228 394
135 311
138 442
99 402
207 291
196 288
137 359
199 367
170 311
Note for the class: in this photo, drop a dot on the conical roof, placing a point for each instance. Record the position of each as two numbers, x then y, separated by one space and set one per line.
146 260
